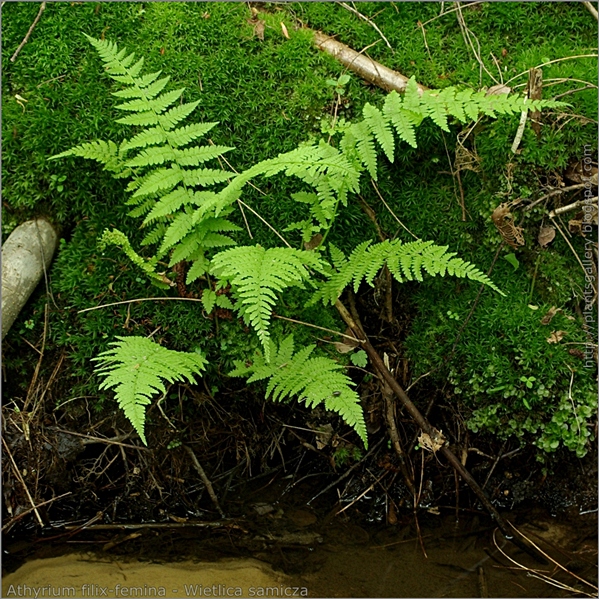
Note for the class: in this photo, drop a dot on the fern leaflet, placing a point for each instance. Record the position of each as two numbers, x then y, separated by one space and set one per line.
256 275
314 380
135 367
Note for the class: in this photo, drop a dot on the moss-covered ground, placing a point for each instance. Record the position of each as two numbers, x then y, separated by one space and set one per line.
269 94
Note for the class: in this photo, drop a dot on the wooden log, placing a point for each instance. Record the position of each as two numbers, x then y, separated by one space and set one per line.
26 254
370 70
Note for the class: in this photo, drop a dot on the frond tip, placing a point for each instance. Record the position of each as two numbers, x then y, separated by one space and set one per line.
135 367
314 380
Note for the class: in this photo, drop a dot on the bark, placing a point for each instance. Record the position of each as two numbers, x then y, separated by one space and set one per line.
365 67
26 255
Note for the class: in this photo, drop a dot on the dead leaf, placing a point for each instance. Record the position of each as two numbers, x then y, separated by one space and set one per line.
258 26
556 336
205 15
550 314
343 348
284 30
314 242
324 435
579 172
498 90
576 353
546 236
433 443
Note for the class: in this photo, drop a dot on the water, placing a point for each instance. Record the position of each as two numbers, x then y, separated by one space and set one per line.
296 553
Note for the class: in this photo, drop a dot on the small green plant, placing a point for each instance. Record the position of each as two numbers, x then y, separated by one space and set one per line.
188 222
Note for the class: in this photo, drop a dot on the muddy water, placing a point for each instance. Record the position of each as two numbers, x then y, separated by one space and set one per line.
343 560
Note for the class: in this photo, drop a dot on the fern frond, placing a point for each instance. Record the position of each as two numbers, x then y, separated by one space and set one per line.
139 92
148 137
136 367
379 127
156 105
183 135
315 380
256 275
177 114
406 262
118 238
104 152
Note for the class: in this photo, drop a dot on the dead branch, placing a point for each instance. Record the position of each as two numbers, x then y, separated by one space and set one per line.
370 70
433 434
29 32
20 479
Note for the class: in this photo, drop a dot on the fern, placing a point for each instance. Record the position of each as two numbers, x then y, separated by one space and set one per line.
314 380
406 262
256 275
118 238
135 367
164 172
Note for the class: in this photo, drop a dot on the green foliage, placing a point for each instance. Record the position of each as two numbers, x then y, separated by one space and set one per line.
188 224
406 262
314 380
256 274
135 368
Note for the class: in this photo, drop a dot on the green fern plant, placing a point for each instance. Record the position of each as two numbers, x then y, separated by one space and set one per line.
135 367
315 380
188 222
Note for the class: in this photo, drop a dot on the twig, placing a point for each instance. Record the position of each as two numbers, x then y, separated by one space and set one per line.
593 284
574 91
205 479
89 439
19 516
39 362
544 64
466 35
217 524
407 403
365 67
313 326
141 299
20 478
266 223
552 193
26 38
589 6
347 472
520 130
371 23
391 211
448 12
573 206
363 493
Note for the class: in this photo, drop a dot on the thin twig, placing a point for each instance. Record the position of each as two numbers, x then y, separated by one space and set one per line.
20 478
371 23
205 479
266 223
593 284
448 12
142 299
544 64
552 193
391 211
28 511
89 439
217 524
26 38
313 326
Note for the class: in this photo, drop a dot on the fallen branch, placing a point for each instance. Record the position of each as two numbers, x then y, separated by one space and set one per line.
370 70
574 206
435 434
26 38
218 524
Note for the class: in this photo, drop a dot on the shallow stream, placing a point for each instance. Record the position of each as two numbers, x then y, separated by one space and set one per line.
296 553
